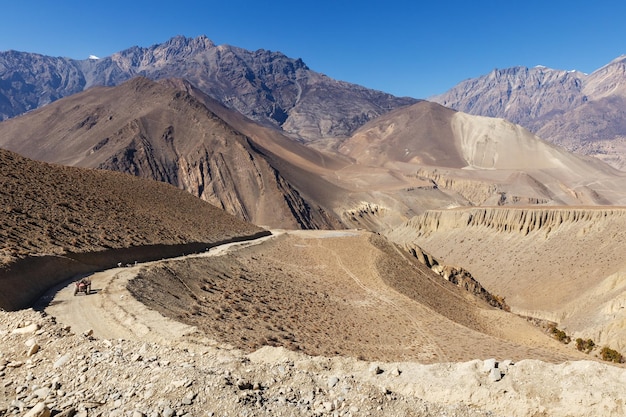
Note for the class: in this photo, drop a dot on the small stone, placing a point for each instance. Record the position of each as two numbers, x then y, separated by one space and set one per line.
179 383
62 360
188 398
375 370
505 365
67 413
42 393
489 364
495 375
27 329
244 385
33 349
168 412
332 381
39 410
138 414
395 371
15 364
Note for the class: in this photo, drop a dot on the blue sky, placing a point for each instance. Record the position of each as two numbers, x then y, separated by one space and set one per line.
407 48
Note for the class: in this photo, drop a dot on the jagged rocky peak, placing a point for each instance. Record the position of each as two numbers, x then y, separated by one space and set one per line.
266 86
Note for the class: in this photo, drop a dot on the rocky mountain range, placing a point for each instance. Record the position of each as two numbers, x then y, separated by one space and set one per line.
582 112
414 158
266 86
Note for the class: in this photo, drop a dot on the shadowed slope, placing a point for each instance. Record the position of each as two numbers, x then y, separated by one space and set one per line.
62 214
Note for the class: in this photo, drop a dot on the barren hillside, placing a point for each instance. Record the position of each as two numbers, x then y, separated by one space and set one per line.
562 264
483 160
584 113
53 217
337 293
163 133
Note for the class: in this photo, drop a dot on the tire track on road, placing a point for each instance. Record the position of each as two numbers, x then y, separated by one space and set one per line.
417 326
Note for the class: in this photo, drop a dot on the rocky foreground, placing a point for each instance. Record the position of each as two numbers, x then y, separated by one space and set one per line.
46 369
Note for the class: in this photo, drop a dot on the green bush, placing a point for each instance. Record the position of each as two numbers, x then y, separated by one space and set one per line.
560 335
611 355
585 345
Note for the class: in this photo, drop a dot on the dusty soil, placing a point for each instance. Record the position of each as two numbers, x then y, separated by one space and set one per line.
156 366
52 209
337 293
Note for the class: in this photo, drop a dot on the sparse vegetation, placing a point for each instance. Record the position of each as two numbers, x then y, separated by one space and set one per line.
559 335
611 355
499 302
50 209
585 345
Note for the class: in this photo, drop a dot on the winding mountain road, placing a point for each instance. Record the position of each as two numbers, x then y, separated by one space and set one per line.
110 311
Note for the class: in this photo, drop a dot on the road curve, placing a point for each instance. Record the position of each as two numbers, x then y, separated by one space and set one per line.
110 311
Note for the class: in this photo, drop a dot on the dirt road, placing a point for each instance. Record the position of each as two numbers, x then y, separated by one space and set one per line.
112 313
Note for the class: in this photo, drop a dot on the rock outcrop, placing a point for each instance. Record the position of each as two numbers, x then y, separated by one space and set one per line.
458 276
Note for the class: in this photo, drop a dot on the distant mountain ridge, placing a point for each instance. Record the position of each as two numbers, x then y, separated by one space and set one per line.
266 86
585 113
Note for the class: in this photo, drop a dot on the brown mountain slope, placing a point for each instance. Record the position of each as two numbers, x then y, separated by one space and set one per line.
584 113
485 160
563 264
54 217
163 133
338 293
410 160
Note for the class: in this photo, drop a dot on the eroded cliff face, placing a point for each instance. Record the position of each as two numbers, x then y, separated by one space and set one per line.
226 173
517 220
457 276
566 265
